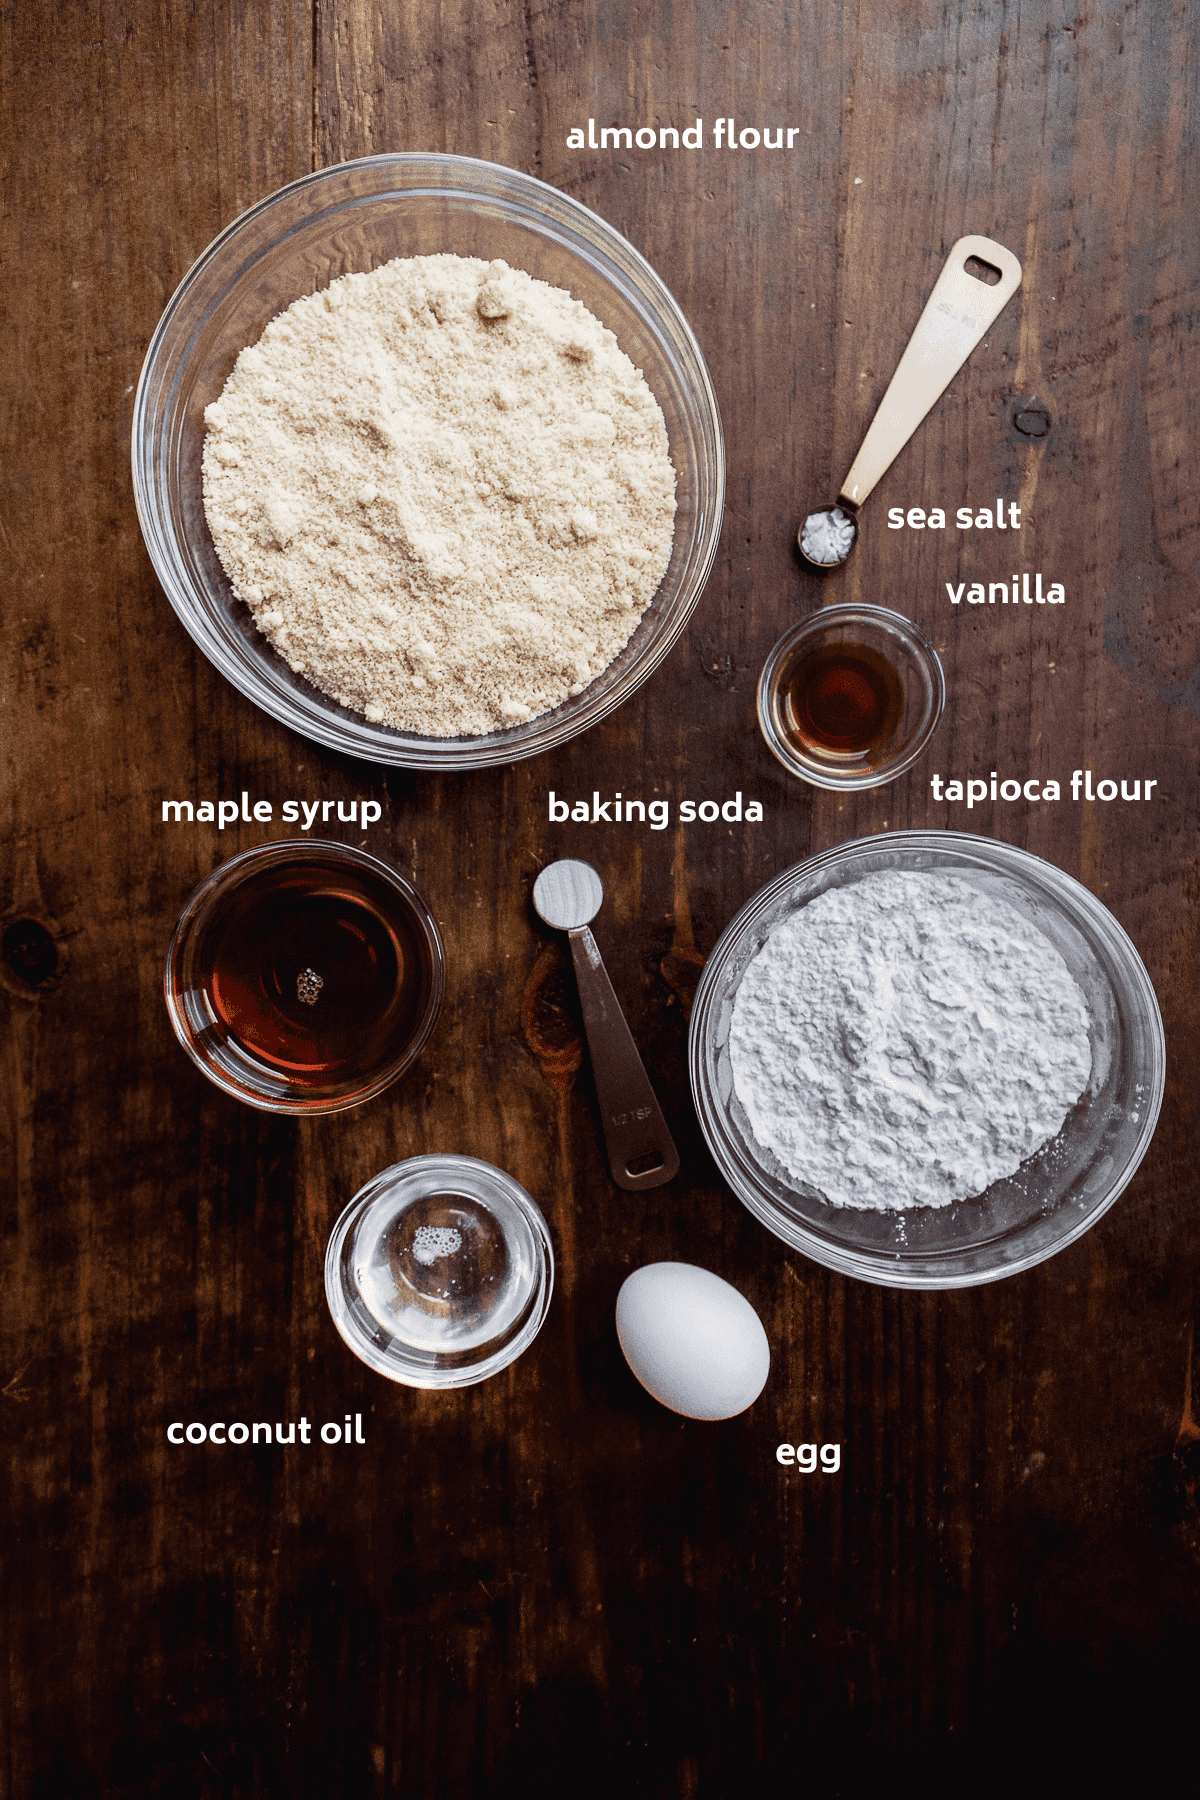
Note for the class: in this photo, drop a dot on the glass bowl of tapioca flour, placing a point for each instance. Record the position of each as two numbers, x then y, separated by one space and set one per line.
428 461
927 1059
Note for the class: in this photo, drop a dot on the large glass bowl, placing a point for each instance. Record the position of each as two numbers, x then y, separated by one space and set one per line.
354 217
1055 1196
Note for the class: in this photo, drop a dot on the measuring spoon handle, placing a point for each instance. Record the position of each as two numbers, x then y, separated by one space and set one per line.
957 313
641 1151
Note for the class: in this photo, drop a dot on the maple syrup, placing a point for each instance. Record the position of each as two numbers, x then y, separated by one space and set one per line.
314 971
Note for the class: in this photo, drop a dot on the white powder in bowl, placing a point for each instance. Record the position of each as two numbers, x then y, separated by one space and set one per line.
906 1041
443 491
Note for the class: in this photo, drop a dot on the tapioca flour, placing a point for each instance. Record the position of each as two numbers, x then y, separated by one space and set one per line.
906 1041
443 491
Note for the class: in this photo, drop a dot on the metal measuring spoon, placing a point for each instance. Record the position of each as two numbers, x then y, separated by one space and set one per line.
960 309
641 1151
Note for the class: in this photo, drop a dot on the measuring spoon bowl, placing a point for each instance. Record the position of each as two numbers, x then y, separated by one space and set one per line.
814 529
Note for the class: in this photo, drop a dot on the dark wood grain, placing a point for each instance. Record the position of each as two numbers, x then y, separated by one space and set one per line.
549 1575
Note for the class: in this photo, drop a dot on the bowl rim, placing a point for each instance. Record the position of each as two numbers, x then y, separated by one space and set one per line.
890 1268
317 716
332 852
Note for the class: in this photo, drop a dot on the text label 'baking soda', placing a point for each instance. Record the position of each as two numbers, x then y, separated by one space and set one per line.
617 810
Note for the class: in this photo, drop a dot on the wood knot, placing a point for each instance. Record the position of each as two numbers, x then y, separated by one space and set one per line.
551 1019
1032 421
33 959
681 969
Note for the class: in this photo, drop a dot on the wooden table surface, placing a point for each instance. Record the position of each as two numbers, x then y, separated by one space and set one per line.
548 1579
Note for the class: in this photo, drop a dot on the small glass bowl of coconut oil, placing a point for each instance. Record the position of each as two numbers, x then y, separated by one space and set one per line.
439 1272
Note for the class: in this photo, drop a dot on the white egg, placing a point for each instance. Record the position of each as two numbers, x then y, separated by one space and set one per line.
693 1341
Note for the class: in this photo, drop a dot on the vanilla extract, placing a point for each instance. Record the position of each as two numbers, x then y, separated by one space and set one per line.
843 700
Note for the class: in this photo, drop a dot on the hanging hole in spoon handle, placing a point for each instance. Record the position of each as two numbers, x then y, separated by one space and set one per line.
641 1150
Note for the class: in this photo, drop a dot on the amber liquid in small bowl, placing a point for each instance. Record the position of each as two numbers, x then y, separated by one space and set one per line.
850 696
314 972
843 700
304 977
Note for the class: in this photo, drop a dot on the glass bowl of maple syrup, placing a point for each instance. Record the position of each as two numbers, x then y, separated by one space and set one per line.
439 1272
850 696
304 977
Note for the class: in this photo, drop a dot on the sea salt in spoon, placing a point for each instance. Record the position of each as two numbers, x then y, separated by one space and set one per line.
641 1152
962 306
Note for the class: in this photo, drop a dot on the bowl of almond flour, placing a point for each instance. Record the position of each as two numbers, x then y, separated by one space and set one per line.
428 462
926 1059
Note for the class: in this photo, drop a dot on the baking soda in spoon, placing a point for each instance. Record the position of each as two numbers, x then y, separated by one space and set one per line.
567 895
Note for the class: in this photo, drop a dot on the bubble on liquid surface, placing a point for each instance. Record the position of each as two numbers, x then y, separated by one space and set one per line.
308 986
431 1241
449 1272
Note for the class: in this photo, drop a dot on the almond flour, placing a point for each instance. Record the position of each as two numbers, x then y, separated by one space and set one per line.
443 491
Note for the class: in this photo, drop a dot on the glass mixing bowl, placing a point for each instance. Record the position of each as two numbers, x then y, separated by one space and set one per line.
353 217
1055 1196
